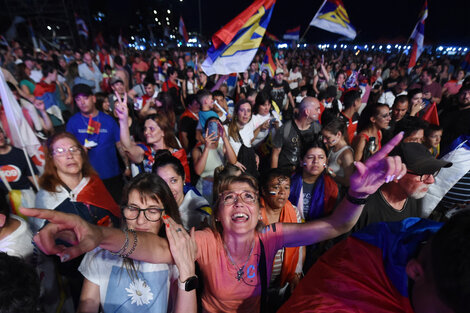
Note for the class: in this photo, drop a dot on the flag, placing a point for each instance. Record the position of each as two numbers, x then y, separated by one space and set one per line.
234 46
123 43
11 32
292 34
271 36
3 41
20 133
81 27
93 127
431 115
182 30
268 63
418 37
33 37
332 17
99 41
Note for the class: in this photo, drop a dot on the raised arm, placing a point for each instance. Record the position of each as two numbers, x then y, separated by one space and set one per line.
149 248
368 177
134 152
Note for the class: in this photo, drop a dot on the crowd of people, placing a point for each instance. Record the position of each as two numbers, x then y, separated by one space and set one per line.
167 190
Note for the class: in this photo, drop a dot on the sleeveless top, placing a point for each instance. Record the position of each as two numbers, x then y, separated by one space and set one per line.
333 161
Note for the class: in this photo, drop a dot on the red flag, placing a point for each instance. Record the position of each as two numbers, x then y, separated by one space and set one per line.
99 40
93 127
431 115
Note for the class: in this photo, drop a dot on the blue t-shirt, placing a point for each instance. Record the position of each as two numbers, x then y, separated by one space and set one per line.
103 157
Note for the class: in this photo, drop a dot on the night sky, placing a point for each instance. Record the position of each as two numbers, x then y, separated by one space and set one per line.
447 22
375 20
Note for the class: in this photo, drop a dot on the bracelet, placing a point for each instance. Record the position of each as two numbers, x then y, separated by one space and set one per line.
134 245
124 246
357 201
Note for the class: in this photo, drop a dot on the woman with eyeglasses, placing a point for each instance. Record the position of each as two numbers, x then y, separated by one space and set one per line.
374 118
70 184
120 284
236 253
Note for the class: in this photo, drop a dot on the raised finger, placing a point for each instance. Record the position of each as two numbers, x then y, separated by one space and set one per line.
53 216
382 153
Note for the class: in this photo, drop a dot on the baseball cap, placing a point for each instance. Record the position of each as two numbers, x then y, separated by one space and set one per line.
81 89
115 79
418 159
279 71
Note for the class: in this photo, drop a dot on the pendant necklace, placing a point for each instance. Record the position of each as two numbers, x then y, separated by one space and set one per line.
239 269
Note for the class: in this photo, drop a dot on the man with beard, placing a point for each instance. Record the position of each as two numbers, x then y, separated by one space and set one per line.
456 123
399 199
279 91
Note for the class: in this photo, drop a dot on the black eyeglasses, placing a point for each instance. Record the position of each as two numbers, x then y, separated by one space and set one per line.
151 214
424 177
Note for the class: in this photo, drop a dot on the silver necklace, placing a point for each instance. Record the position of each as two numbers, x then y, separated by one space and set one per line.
239 269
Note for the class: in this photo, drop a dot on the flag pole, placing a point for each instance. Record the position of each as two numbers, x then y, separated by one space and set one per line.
300 40
15 122
403 51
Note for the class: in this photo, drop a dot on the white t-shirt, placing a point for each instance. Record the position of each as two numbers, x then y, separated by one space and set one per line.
294 76
259 120
18 243
149 292
247 134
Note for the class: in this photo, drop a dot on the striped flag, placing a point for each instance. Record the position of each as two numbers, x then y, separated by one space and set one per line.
418 37
268 63
81 27
182 30
332 17
234 46
271 36
292 34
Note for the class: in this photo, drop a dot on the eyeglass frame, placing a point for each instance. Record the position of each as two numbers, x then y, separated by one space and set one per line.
63 153
256 196
422 175
161 210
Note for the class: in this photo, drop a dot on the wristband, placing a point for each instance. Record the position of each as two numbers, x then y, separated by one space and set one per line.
357 201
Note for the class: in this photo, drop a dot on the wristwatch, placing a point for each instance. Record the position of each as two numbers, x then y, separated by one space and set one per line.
189 284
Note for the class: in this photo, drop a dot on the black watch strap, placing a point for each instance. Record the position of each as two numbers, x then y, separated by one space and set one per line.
189 284
357 201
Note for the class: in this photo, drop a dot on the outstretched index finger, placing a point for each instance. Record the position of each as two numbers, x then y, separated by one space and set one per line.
382 153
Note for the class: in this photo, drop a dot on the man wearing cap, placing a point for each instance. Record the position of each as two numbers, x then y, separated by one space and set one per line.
279 91
398 199
99 134
118 86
